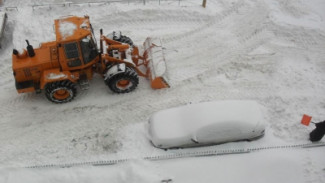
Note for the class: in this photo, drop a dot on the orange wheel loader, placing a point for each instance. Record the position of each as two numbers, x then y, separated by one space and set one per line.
58 67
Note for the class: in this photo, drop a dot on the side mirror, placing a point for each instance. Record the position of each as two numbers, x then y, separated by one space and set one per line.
194 139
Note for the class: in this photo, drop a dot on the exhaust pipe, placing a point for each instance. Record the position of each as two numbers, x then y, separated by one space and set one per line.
30 49
18 55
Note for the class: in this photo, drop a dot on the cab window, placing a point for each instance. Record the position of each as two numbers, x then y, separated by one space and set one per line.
72 54
88 49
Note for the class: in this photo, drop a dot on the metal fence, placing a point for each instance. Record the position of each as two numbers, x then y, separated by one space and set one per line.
103 3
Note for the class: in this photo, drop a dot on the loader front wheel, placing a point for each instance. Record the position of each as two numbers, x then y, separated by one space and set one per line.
60 91
125 39
123 82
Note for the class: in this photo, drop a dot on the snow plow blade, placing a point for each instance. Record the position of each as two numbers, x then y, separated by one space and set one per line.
155 62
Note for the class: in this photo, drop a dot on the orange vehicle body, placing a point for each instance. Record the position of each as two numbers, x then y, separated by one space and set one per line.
67 58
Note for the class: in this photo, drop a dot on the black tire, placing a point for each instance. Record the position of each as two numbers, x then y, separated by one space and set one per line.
124 82
61 91
125 39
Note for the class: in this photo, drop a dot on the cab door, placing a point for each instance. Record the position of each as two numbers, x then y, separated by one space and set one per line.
72 54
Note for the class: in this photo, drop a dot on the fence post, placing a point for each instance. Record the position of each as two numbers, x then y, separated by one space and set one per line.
204 3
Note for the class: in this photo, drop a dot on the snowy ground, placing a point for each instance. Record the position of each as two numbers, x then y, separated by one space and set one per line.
271 51
282 167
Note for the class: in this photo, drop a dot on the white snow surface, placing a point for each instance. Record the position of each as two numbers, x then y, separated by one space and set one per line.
271 51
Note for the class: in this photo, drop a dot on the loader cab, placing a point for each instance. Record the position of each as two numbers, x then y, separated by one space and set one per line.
76 45
79 53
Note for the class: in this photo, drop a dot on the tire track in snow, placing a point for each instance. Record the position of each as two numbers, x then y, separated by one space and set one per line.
223 54
13 105
249 43
249 26
159 18
231 54
292 7
300 38
224 15
208 48
5 72
218 19
220 90
212 70
173 22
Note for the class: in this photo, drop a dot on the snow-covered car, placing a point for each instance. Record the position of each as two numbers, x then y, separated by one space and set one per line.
206 124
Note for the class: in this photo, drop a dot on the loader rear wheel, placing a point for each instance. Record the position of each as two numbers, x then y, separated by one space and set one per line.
60 91
123 82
